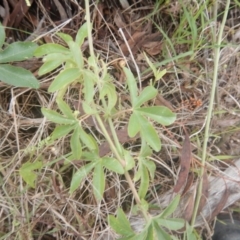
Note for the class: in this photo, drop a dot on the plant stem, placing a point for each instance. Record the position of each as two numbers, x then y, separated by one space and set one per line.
99 120
115 151
209 115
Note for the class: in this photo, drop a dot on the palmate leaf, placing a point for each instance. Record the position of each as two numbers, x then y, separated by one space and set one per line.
113 164
49 66
147 94
65 109
2 35
144 184
133 125
80 175
98 181
171 207
27 172
61 131
17 51
82 34
64 78
132 85
17 76
159 232
130 163
120 224
65 37
56 117
88 90
148 133
160 114
49 48
171 223
76 54
75 144
151 166
57 56
88 140
109 92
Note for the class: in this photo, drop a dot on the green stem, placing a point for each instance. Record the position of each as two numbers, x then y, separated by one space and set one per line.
108 138
115 151
209 115
99 120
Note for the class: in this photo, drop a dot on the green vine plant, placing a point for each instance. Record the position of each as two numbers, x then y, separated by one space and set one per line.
15 52
99 101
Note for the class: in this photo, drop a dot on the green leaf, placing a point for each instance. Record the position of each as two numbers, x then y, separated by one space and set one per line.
2 35
120 224
88 140
76 53
49 66
146 151
65 109
150 233
90 156
144 184
160 114
147 94
27 172
190 232
171 207
17 76
160 74
88 109
151 166
56 117
17 51
49 48
61 131
130 163
88 89
64 78
151 65
171 224
132 86
82 34
133 125
159 232
98 181
65 37
112 164
57 56
75 144
109 91
80 175
148 133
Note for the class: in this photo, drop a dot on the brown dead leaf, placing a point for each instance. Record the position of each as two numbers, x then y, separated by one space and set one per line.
204 192
152 44
161 101
134 42
189 207
18 13
184 164
221 204
189 183
152 48
118 20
